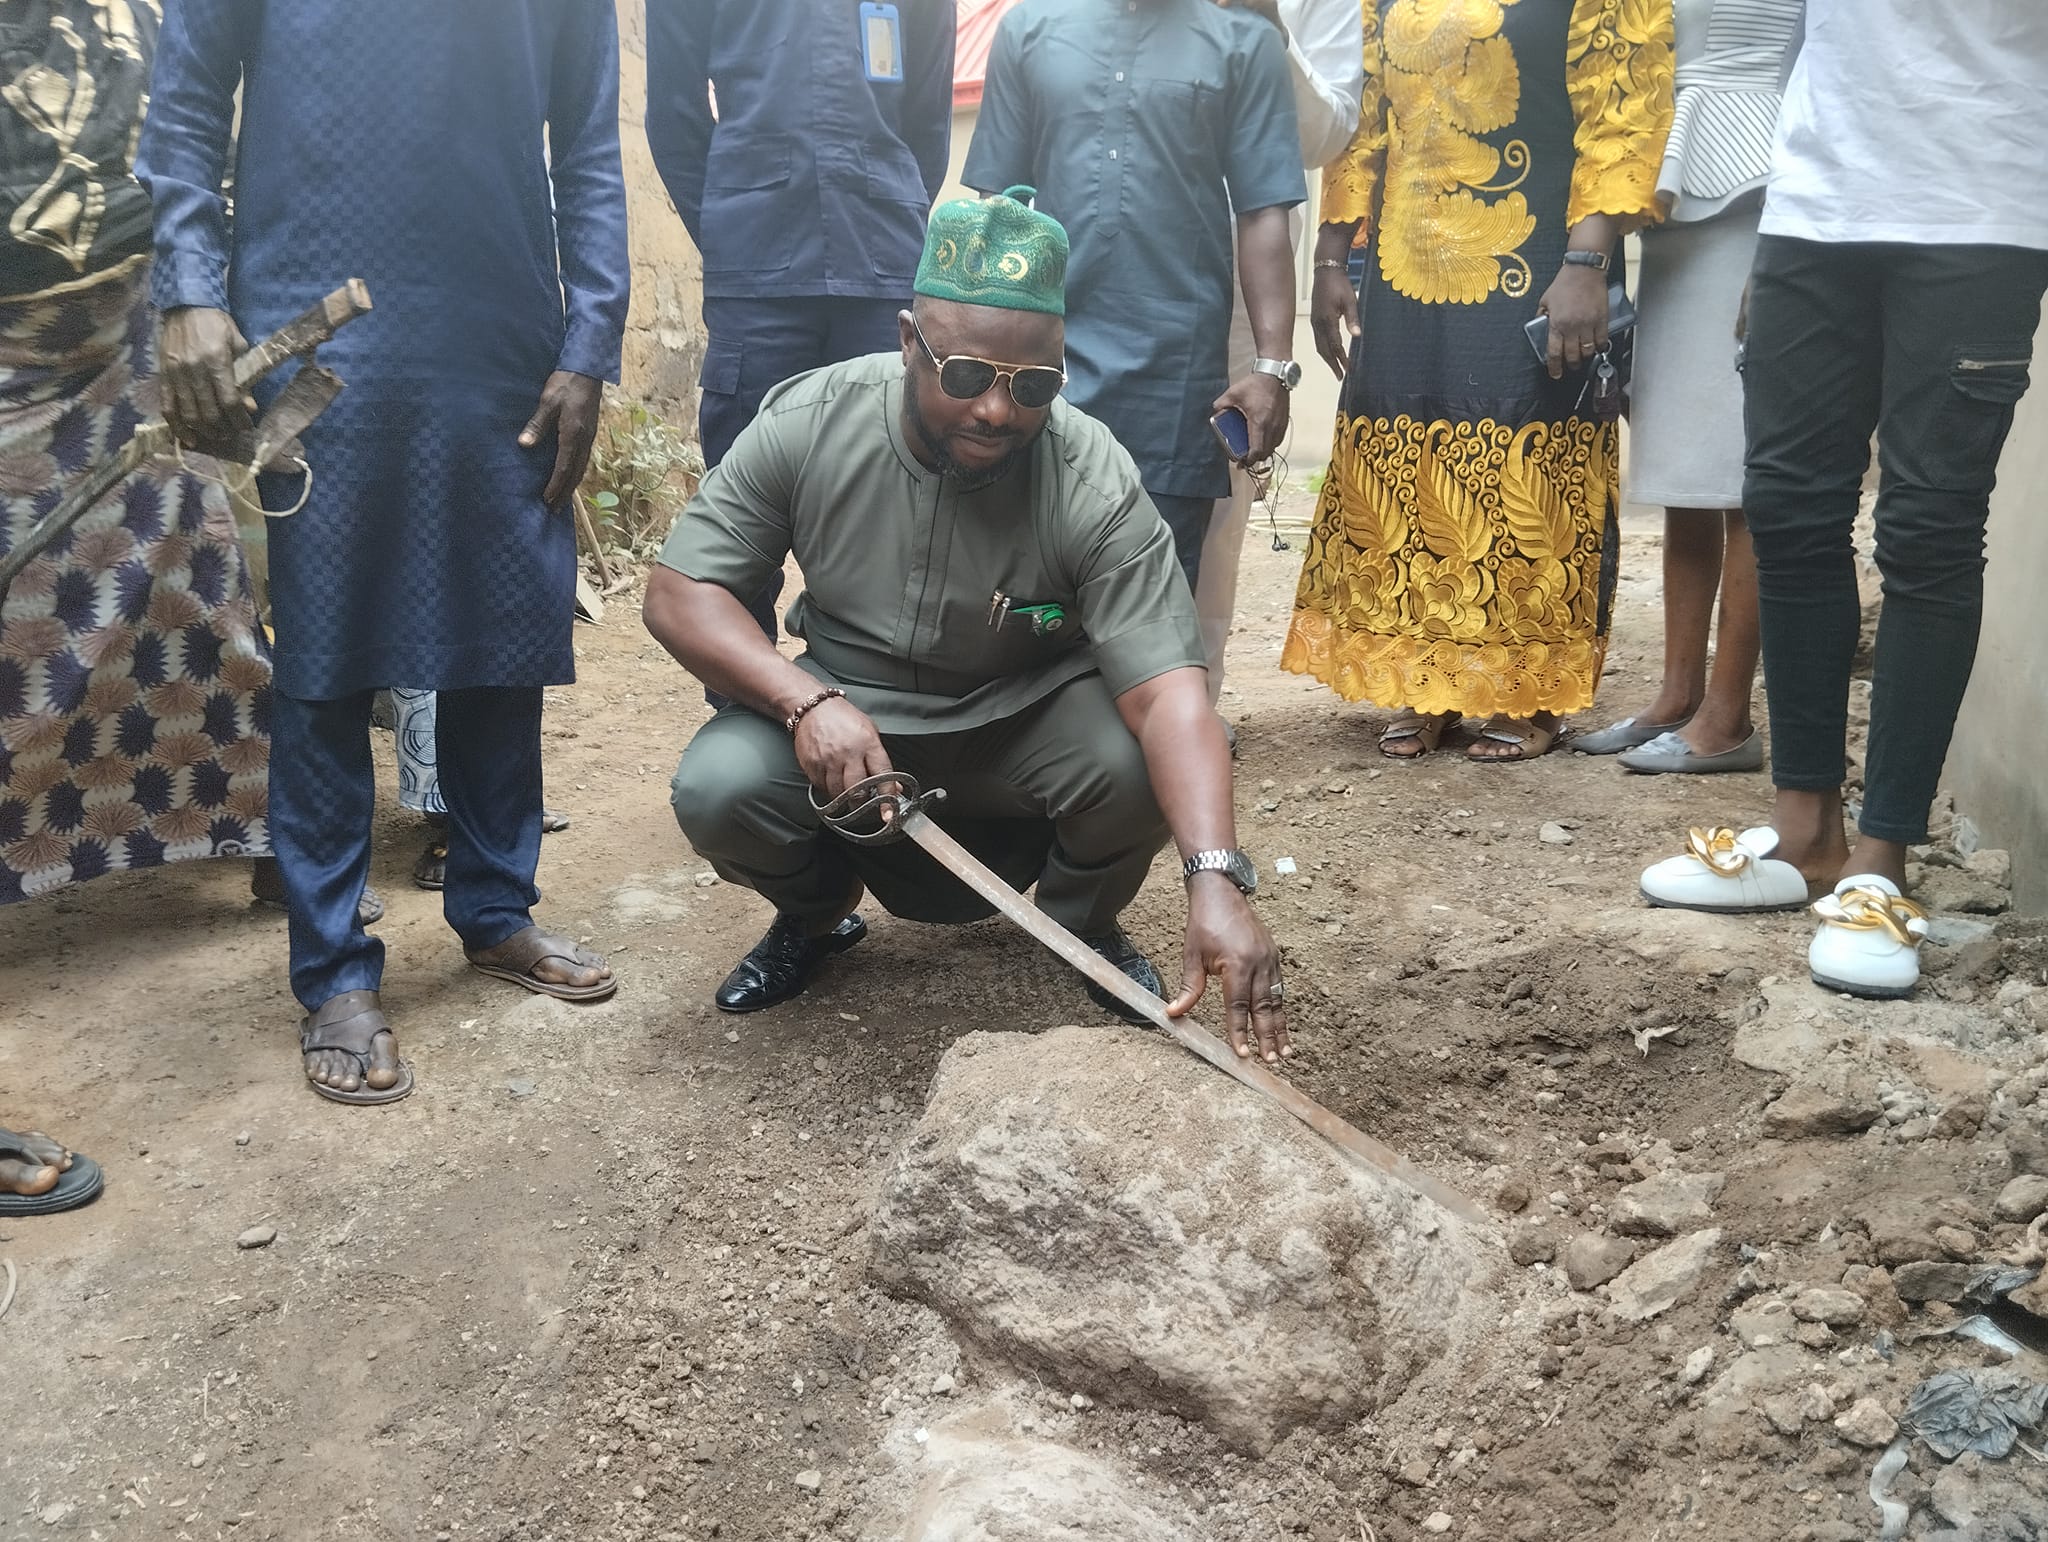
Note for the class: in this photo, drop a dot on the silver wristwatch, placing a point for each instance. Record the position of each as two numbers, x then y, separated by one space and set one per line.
1286 371
1232 864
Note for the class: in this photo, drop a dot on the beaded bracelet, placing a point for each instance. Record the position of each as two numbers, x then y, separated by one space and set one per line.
789 723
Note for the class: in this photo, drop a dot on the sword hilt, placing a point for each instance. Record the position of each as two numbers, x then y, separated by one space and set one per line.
871 811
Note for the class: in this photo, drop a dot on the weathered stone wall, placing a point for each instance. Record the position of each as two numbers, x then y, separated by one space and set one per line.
665 336
2001 744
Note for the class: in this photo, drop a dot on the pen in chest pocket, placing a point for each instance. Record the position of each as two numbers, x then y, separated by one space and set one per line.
1044 619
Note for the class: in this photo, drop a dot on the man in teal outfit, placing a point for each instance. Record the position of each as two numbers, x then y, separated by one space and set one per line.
992 605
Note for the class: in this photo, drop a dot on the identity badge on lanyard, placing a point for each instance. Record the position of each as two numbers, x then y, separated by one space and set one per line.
881 41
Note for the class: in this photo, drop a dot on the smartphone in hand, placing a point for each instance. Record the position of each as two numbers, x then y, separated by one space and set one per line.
1235 431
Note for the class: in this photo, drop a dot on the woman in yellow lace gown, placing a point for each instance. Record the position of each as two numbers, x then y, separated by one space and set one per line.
1462 556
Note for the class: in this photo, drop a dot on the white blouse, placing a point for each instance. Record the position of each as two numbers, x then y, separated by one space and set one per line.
1733 60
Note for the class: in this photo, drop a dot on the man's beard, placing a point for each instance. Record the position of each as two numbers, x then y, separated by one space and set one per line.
964 480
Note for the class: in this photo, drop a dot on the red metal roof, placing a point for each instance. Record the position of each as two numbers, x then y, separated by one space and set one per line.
977 35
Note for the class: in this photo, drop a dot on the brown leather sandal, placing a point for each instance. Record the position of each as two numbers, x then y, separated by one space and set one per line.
318 1032
1426 728
514 959
1529 738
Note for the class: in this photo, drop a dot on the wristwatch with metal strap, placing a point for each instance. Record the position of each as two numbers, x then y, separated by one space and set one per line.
1286 371
1231 863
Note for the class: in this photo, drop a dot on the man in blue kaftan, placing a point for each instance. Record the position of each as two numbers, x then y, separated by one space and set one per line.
462 158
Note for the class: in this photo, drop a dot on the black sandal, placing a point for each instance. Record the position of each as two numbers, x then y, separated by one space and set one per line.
431 871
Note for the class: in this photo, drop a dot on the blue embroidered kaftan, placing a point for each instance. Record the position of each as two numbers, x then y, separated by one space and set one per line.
461 157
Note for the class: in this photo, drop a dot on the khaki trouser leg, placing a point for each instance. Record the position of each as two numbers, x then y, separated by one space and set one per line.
1216 588
1223 549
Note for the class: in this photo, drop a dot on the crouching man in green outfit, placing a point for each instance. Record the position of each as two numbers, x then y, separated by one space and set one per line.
992 605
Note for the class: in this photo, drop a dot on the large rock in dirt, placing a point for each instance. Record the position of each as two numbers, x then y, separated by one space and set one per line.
1789 1035
1007 1488
1841 1101
1666 1204
2022 1199
1591 1260
1103 1210
1659 1282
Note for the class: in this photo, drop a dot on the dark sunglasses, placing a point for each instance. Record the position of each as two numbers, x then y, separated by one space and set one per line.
966 378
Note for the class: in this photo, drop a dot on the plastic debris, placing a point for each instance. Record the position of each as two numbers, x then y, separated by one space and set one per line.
1285 867
1894 1512
1989 1283
1989 1334
1656 1031
1980 1410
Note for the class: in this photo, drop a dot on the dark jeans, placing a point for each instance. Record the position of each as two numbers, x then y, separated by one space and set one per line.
756 344
1929 347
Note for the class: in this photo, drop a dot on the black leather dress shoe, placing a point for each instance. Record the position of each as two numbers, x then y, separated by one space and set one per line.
1122 952
783 962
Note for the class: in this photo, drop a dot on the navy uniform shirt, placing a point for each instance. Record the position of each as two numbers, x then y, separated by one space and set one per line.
1143 124
812 179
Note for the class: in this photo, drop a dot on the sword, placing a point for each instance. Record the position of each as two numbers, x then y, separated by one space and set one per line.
891 807
309 394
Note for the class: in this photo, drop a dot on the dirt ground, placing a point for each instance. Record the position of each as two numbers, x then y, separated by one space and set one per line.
603 1274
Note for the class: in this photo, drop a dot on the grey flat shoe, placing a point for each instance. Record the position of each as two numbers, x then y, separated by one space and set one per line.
1670 754
1616 737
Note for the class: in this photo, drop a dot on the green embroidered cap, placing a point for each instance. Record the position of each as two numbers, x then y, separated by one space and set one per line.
996 251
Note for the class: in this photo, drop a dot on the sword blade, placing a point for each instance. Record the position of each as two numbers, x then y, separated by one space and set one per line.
969 869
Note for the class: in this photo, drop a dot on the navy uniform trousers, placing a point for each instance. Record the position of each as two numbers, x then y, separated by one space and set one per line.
753 345
323 787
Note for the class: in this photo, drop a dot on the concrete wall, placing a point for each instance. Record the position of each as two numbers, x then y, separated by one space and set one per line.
1998 767
665 335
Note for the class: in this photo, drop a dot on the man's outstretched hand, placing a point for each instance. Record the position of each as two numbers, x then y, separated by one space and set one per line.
568 410
1227 941
202 404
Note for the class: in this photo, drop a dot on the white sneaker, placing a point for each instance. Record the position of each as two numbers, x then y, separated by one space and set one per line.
1726 872
1869 939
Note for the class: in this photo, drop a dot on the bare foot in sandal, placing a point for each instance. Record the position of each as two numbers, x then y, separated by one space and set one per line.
31 1164
350 1053
546 964
1413 735
1515 738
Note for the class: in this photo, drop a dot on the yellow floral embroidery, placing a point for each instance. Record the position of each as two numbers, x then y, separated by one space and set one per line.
1440 73
1352 180
1448 74
1456 566
1619 72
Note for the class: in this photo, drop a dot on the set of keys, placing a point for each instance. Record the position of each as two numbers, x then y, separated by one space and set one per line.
1044 619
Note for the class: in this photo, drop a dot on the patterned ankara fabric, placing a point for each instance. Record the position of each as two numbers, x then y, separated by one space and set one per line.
134 691
462 158
73 75
1462 557
415 715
